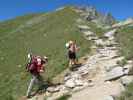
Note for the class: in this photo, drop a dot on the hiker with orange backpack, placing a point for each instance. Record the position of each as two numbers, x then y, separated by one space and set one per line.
35 66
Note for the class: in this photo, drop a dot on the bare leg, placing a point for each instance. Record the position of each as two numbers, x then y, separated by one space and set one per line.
70 62
74 61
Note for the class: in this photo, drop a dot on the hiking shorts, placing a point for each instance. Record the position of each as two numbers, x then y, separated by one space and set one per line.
71 55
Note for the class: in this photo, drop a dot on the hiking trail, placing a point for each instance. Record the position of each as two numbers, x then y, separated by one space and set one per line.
99 78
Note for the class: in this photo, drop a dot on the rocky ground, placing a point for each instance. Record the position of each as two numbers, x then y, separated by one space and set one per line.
99 78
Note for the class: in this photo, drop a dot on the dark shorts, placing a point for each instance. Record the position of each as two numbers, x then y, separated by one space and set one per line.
71 55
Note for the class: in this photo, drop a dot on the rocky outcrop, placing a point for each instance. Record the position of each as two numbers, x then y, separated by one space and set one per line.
90 13
129 21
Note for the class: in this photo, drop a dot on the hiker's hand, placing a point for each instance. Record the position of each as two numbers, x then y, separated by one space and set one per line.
41 71
77 48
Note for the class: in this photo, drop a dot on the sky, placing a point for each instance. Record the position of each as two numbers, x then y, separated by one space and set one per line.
120 9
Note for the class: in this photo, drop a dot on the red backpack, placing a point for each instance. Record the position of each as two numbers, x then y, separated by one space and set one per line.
33 66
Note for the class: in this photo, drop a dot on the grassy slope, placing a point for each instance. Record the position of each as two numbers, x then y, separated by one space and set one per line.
99 31
94 28
43 34
127 94
125 39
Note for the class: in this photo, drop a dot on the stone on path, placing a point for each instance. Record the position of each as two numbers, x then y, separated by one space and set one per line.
110 33
114 73
53 89
83 27
79 83
70 83
125 80
108 98
99 42
88 33
128 69
109 68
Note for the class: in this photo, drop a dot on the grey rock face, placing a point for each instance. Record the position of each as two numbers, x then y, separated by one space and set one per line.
91 14
108 19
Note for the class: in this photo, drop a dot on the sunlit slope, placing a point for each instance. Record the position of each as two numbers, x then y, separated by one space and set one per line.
43 34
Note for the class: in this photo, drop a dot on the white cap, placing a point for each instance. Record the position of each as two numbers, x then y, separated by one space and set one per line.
70 42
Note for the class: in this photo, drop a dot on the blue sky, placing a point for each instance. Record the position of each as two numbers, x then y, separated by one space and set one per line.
120 9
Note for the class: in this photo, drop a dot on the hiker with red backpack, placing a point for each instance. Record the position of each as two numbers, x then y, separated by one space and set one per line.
35 66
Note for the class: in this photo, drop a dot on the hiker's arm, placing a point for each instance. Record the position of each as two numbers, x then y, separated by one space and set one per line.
42 69
77 48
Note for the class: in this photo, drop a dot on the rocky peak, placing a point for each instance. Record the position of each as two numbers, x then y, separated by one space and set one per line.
126 22
91 14
109 19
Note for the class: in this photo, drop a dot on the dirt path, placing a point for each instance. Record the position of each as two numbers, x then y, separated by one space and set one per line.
101 88
98 64
98 92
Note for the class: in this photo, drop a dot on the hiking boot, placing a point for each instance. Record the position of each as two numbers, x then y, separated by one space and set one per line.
28 97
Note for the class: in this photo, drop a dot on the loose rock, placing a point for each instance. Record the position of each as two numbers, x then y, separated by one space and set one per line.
114 73
125 80
70 83
53 89
79 83
108 98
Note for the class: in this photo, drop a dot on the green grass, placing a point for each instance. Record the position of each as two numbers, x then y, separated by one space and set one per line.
64 97
94 28
122 62
125 38
128 94
99 31
42 34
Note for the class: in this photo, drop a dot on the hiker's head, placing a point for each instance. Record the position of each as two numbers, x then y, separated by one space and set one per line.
39 61
70 42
